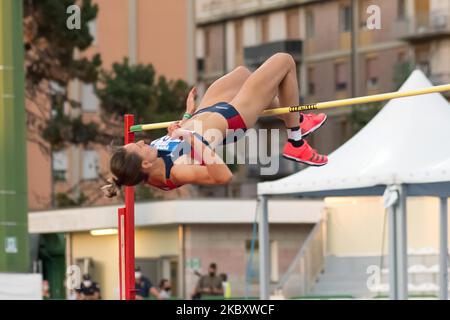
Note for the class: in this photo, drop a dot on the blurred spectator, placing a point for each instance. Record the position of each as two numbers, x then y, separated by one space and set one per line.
89 290
209 284
226 286
164 289
144 286
45 290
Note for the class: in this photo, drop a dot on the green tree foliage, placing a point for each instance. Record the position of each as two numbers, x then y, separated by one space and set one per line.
145 193
126 89
402 71
50 45
136 89
50 64
64 201
361 115
61 130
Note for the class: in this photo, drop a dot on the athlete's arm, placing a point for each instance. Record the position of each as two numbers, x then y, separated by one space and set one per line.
190 109
190 101
213 170
197 174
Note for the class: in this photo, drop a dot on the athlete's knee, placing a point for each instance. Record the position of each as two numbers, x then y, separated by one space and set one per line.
285 58
243 70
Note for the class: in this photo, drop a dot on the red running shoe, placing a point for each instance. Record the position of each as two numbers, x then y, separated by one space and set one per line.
311 122
304 154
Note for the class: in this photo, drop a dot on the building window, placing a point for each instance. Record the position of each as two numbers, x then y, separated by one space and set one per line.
264 29
340 70
423 59
239 42
364 4
214 48
92 26
372 74
89 100
238 36
60 165
90 164
207 35
401 9
292 24
200 65
345 19
310 30
311 81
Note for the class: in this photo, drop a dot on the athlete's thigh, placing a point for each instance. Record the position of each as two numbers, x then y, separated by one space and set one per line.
225 88
259 90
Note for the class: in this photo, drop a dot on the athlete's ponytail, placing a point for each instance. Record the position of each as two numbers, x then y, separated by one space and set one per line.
111 190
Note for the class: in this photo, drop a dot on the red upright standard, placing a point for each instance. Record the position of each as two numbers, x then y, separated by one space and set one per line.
126 231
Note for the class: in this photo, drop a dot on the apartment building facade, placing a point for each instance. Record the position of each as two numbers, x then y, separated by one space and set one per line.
133 29
318 34
226 34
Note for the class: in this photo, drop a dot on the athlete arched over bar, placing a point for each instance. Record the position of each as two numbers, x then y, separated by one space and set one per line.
233 102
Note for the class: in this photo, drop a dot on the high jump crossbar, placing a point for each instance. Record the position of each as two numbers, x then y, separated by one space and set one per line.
320 105
126 214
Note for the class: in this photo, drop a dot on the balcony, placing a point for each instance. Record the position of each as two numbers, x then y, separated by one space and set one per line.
254 56
433 25
207 11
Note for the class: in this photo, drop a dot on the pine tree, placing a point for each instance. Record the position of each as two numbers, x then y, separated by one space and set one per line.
51 64
136 89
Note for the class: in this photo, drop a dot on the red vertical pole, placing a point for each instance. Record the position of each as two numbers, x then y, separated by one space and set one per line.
129 222
121 224
126 231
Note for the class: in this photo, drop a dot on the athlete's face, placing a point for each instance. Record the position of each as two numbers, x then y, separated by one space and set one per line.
147 153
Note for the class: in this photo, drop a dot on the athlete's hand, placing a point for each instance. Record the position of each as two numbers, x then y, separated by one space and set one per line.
190 102
182 133
173 127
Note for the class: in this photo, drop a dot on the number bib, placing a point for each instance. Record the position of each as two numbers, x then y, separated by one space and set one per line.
165 145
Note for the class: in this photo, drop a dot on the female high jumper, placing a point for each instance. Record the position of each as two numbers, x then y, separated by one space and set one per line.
233 102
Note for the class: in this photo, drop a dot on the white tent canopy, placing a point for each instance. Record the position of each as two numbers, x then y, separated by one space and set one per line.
404 150
407 142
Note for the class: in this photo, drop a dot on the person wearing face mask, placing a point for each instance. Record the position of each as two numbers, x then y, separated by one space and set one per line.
209 285
89 290
144 286
164 289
